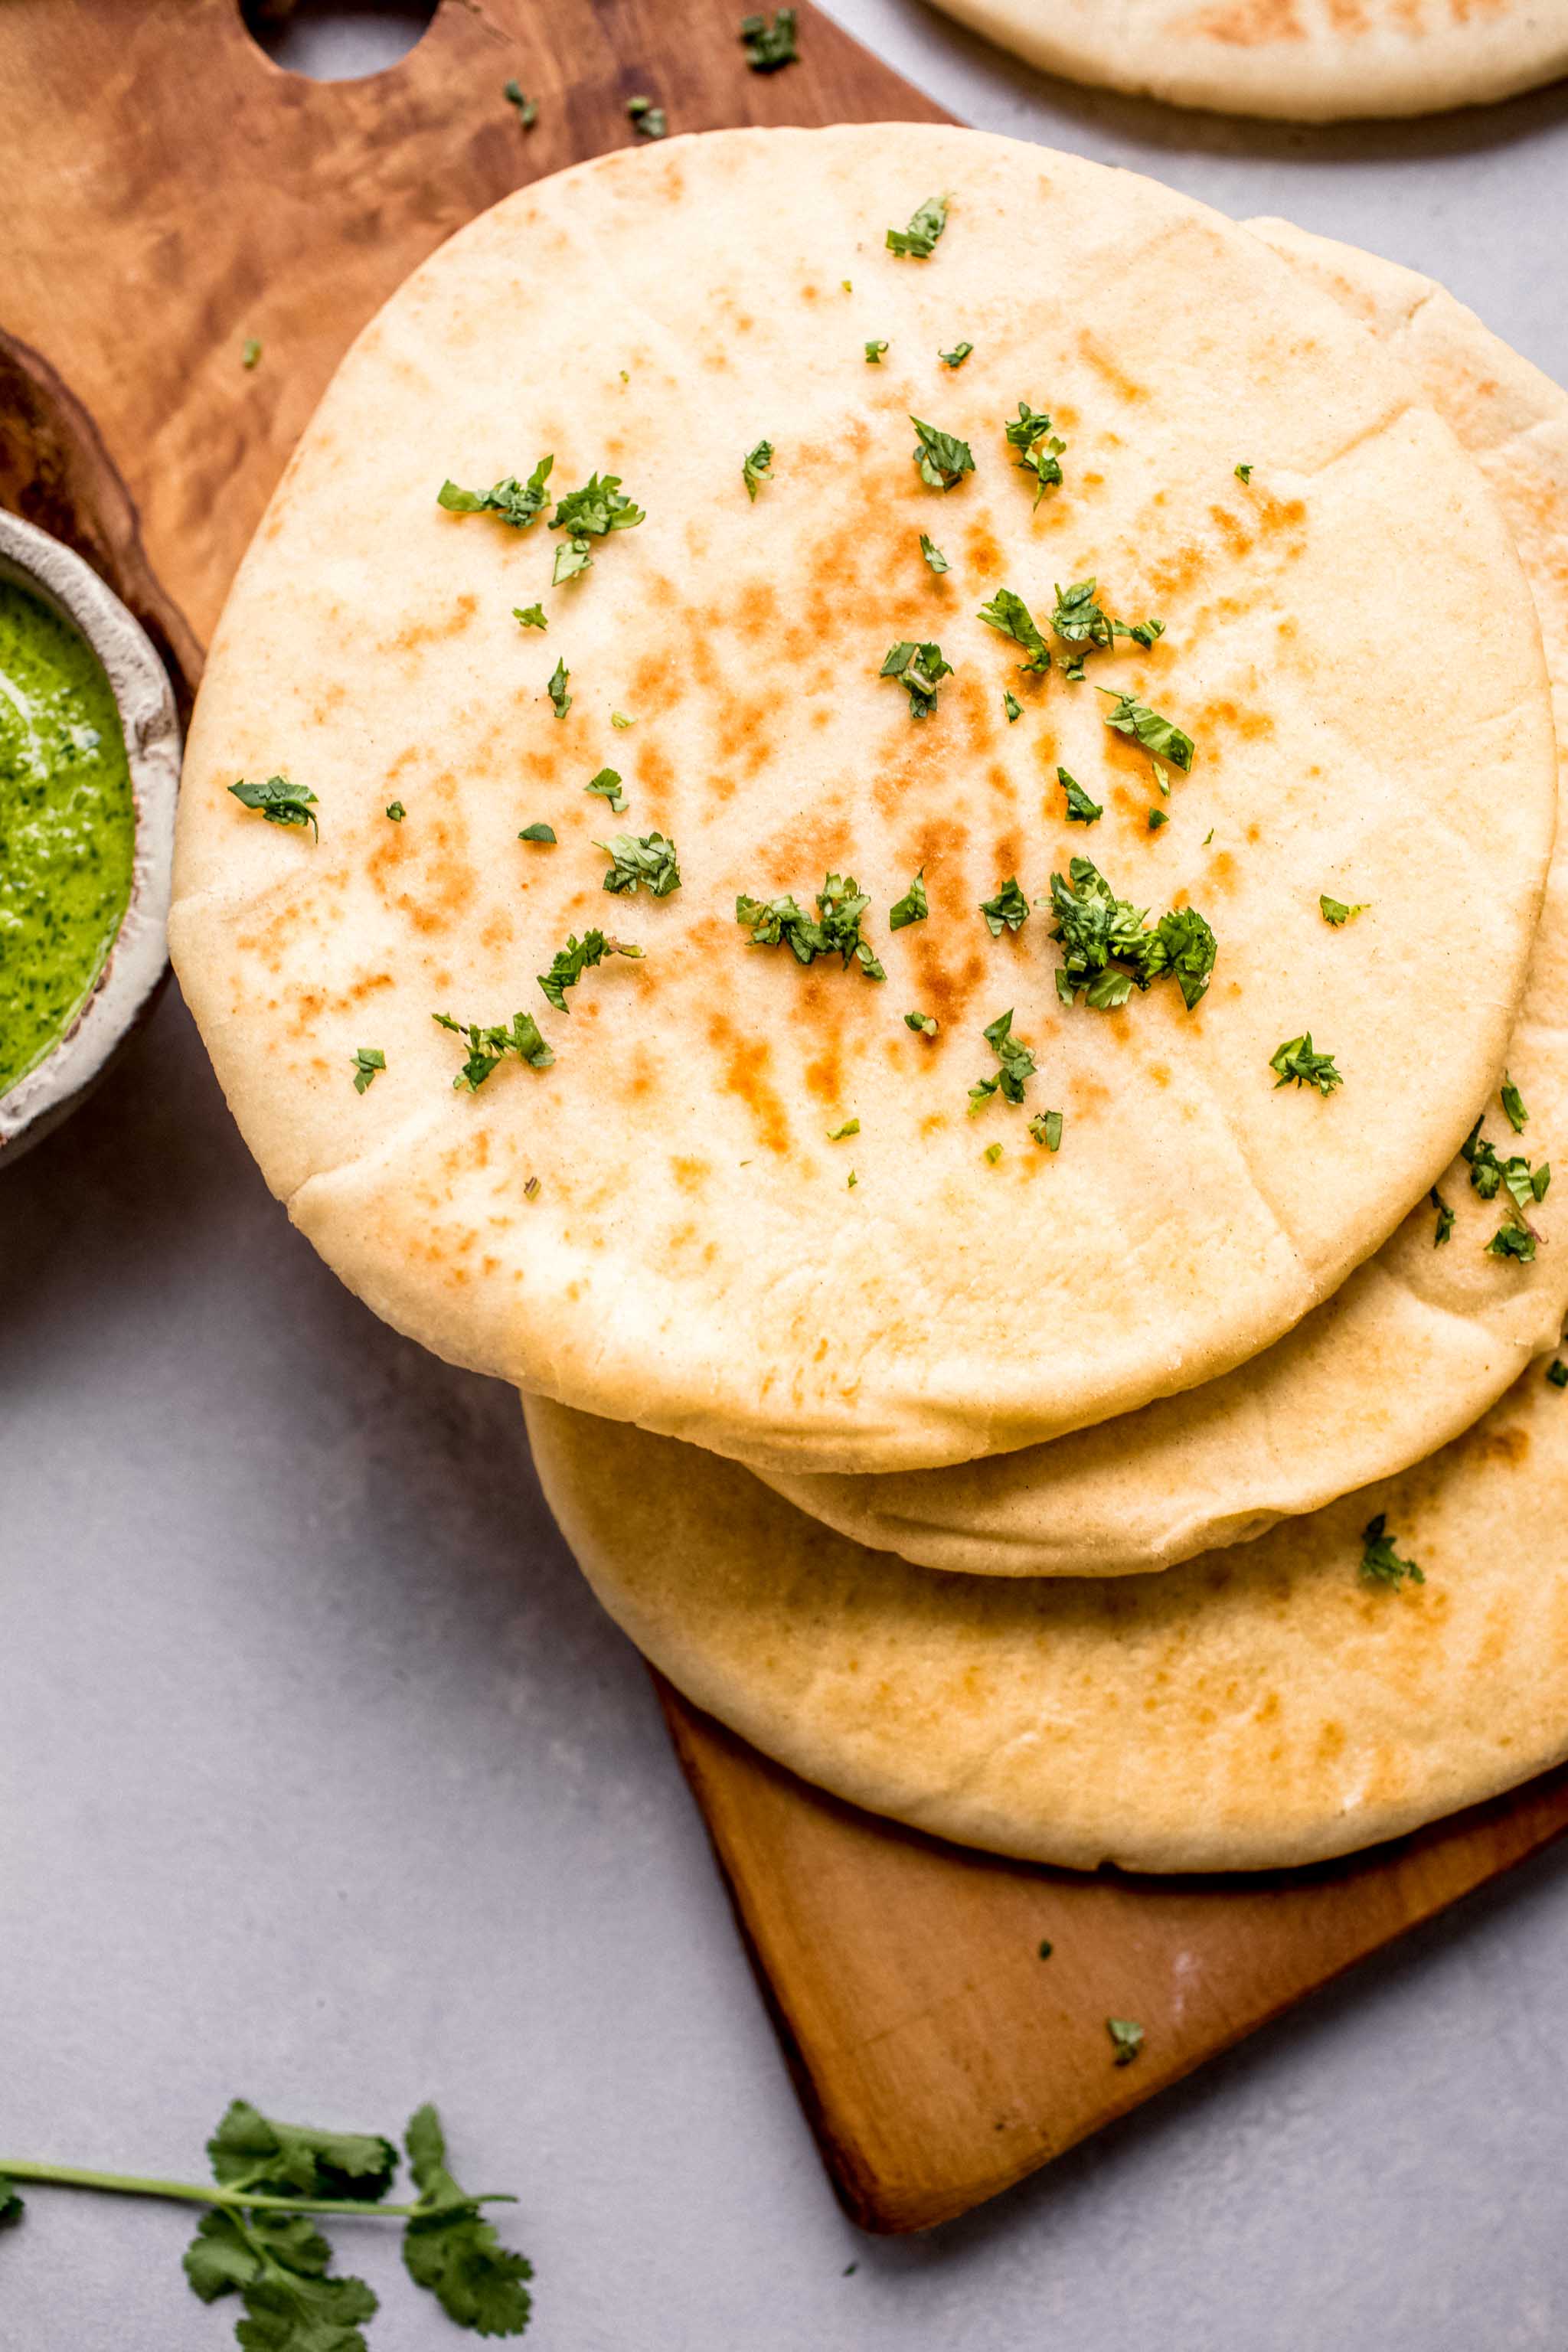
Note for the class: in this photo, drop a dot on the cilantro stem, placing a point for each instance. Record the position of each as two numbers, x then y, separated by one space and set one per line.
192 2192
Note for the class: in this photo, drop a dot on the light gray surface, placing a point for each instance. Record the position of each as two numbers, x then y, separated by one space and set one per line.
321 1778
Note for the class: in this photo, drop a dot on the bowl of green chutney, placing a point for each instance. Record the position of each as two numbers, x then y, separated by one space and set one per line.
90 762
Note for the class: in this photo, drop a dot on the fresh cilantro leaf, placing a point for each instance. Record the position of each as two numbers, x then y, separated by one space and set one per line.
278 2269
1008 909
1159 737
531 617
648 120
991 1154
12 2203
874 350
607 784
754 467
1011 617
228 2254
1126 2038
912 908
597 509
1079 620
540 832
1012 705
956 357
1380 1563
919 240
527 108
511 501
396 812
1046 1947
1512 1241
769 46
1047 1129
1039 450
1525 1187
1106 951
368 1062
840 904
853 1179
1556 1372
250 352
1244 473
1081 810
1335 910
1016 1066
837 1134
1445 1218
919 669
1295 1064
618 720
1513 1105
279 801
925 1024
636 860
940 459
488 1047
250 2150
934 554
578 956
450 2251
572 557
557 689
1156 818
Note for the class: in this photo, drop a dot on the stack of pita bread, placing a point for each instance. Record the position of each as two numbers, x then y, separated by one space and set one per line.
1043 1320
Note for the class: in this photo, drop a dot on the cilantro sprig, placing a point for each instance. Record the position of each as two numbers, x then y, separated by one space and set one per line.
841 906
257 2239
1108 951
578 956
769 47
488 1047
510 500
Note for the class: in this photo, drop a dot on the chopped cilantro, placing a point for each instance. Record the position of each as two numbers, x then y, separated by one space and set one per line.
1039 448
1009 907
1525 1186
1244 473
1081 810
396 812
1011 617
919 240
1557 1373
1046 1948
558 694
991 1154
1380 1563
940 459
853 1179
840 904
571 557
367 1061
1012 705
1335 910
1156 818
538 832
1445 1218
925 1024
250 352
531 1190
934 554
578 956
511 501
527 108
607 784
1126 2039
1079 620
874 350
489 1047
597 509
1159 737
1295 1064
1106 951
451 2251
1047 1129
837 1134
1513 1105
919 669
619 718
648 120
755 467
956 357
638 860
1016 1066
531 617
772 47
280 801
912 908
1512 1241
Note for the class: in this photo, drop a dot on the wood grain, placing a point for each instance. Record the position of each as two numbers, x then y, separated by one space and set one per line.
166 191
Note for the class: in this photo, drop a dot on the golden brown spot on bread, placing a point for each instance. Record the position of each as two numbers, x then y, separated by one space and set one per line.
825 1074
691 1174
1105 367
429 633
745 1065
1243 24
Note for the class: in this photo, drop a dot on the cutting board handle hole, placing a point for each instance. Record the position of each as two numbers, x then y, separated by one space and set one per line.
337 40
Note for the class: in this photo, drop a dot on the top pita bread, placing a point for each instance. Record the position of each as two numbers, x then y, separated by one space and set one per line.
1310 60
1349 640
1421 1340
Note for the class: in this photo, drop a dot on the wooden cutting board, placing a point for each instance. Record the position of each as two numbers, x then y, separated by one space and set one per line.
167 193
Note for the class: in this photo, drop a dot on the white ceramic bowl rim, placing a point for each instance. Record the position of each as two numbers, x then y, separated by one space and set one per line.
136 962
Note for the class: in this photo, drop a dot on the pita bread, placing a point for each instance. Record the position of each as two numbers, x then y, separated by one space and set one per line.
658 1228
1420 1340
1256 1708
1308 60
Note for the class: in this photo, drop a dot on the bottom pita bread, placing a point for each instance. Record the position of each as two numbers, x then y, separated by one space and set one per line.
1260 1706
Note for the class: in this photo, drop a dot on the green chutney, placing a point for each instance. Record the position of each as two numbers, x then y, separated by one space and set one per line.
68 826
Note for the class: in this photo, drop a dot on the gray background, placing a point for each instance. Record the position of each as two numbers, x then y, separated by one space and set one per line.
321 1778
